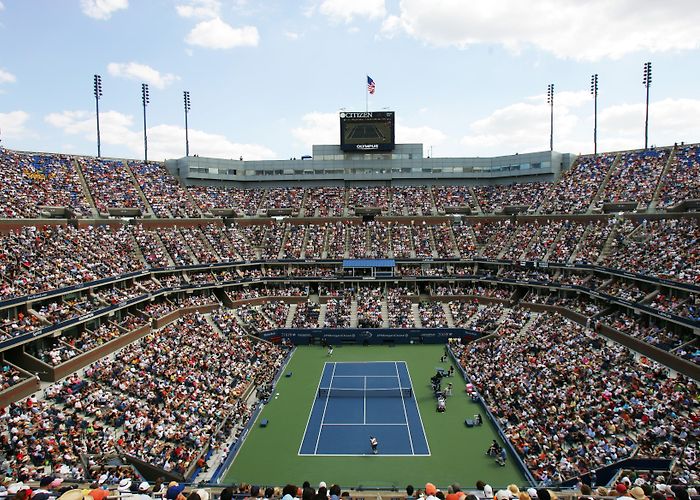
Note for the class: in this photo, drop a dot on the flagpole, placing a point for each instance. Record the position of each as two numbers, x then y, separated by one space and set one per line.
366 96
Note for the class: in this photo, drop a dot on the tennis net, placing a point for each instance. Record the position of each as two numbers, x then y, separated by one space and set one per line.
392 392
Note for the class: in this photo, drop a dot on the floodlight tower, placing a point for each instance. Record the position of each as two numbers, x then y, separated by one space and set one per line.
145 99
186 95
550 101
594 92
98 95
647 83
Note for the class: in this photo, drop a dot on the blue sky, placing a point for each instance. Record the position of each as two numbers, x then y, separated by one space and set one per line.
267 78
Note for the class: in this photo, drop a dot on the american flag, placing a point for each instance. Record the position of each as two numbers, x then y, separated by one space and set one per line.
370 85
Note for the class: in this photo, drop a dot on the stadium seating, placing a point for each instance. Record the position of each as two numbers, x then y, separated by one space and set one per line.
67 289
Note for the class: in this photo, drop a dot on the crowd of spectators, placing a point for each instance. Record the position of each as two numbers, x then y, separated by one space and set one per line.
432 314
266 316
635 178
563 248
335 240
400 308
494 198
31 181
648 332
338 308
462 311
166 416
465 240
14 325
111 184
324 202
357 241
421 237
315 241
9 376
271 242
37 180
520 240
163 191
379 240
593 242
574 191
579 303
36 259
665 248
244 202
485 318
293 242
368 197
682 181
306 315
410 201
570 402
447 197
66 347
401 246
623 290
369 307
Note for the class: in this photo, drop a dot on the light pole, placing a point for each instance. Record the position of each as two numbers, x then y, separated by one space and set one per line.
594 92
550 101
98 94
647 84
145 100
187 110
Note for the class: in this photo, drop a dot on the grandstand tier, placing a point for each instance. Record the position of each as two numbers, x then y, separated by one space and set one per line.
572 305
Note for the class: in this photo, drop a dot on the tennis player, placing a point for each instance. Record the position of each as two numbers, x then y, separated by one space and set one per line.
374 443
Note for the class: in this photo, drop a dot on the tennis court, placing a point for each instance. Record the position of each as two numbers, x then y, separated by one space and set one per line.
271 454
356 400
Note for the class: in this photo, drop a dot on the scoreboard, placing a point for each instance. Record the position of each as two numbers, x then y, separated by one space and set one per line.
367 131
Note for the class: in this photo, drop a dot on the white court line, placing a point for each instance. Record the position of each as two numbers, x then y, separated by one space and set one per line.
405 413
323 415
313 402
361 455
371 376
402 425
415 402
364 402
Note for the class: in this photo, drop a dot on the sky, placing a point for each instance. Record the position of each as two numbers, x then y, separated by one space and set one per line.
267 78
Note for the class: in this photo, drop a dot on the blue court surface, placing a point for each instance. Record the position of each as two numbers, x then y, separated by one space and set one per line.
357 400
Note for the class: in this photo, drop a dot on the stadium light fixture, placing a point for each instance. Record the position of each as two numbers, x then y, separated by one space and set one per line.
594 93
647 83
186 95
98 95
145 99
550 101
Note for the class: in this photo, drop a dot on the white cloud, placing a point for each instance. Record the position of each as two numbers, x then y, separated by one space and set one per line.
569 29
424 135
670 120
164 141
13 124
342 10
291 35
7 77
524 126
142 73
2 7
200 9
102 9
318 128
216 34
